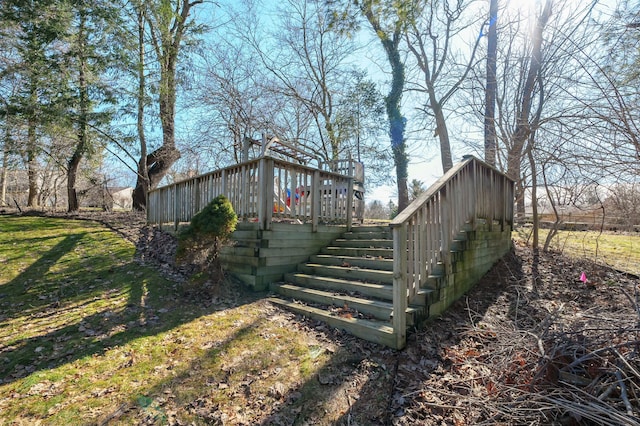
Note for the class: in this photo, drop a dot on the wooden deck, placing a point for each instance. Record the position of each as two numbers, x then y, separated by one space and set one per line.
297 236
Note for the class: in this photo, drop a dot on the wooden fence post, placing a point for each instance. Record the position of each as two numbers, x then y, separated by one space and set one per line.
399 321
269 194
196 201
445 212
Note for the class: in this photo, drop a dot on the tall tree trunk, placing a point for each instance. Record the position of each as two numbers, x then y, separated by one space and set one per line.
491 87
32 146
166 32
140 193
436 106
83 117
397 123
523 127
534 195
32 164
443 135
5 165
160 161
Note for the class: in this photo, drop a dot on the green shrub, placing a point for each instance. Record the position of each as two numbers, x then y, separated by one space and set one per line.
216 220
201 242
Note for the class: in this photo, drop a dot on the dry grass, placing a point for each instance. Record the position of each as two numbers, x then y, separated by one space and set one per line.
618 250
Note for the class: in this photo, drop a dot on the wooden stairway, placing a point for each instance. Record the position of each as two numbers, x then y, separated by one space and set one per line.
349 286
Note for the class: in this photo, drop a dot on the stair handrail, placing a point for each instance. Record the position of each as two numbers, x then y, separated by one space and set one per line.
303 194
424 230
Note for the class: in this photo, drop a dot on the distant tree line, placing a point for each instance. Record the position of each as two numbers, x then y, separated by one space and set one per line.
547 93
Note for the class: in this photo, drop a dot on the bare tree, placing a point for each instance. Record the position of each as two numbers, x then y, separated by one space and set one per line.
492 84
432 36
389 21
168 21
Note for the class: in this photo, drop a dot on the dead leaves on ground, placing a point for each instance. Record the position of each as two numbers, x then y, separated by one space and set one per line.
525 351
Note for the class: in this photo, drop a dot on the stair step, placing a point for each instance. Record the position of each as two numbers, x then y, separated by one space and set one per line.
372 331
362 243
423 297
434 281
383 253
368 229
379 291
362 262
348 273
368 236
378 309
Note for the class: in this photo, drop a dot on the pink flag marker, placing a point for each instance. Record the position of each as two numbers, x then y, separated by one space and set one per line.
583 277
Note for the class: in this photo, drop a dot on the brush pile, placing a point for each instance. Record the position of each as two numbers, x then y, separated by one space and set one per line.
532 344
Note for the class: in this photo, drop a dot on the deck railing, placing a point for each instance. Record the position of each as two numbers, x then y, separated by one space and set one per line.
424 231
261 190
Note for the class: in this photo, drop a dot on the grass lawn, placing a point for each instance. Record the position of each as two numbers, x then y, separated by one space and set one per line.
88 336
618 250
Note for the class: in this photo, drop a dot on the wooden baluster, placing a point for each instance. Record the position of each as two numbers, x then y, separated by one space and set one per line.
269 191
349 204
316 199
292 193
411 270
175 208
423 253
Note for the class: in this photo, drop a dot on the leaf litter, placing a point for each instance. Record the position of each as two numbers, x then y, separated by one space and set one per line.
531 343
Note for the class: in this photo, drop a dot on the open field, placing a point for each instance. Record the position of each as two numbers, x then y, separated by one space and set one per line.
618 250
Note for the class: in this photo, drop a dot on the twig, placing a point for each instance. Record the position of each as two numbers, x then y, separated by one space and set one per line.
633 302
604 395
623 393
598 351
348 412
471 321
540 344
624 360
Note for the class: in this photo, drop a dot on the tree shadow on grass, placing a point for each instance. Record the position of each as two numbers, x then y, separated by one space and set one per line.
28 292
106 306
240 382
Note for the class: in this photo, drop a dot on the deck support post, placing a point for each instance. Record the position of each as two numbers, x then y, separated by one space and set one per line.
196 195
265 193
399 321
445 218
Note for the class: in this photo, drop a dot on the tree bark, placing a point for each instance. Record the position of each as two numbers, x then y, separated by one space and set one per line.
491 87
83 117
397 122
5 164
32 164
443 136
523 127
166 35
141 191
